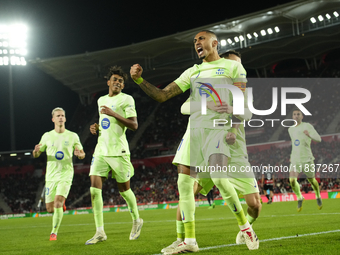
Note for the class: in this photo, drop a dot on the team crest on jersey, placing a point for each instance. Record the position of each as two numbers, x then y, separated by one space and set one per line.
66 143
220 71
105 123
113 107
297 142
59 155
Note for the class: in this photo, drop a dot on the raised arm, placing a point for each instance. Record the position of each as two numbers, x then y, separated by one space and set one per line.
160 95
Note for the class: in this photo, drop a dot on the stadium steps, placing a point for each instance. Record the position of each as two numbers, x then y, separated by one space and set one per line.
4 205
142 128
79 199
333 125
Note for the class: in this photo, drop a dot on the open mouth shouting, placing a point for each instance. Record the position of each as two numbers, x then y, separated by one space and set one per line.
199 51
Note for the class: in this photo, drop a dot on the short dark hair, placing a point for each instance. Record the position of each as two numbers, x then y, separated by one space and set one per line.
297 109
229 52
116 70
209 32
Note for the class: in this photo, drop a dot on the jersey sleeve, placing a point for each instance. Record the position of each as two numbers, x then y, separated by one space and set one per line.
239 76
77 142
183 82
129 107
43 141
313 134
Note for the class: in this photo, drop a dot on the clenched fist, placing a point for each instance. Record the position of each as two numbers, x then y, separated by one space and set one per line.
136 71
94 128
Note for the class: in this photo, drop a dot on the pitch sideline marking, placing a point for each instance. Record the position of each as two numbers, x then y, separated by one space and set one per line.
267 240
162 221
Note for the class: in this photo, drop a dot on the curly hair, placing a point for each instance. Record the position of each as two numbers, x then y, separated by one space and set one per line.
116 70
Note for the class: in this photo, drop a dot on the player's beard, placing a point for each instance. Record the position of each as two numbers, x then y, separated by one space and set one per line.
202 57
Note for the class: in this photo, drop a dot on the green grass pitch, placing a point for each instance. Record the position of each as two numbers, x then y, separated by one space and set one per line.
215 231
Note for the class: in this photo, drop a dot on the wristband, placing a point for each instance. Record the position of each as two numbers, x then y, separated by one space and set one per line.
139 80
234 131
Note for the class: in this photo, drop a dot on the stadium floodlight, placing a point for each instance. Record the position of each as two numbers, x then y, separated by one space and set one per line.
320 18
277 29
229 41
249 36
13 50
236 39
270 31
13 43
336 14
223 42
241 38
328 16
313 20
255 34
263 32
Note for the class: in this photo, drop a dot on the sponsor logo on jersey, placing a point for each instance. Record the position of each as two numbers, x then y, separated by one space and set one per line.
113 107
207 89
92 161
204 89
59 155
220 71
105 123
297 142
67 143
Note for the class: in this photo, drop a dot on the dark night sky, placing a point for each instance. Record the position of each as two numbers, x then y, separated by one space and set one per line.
60 28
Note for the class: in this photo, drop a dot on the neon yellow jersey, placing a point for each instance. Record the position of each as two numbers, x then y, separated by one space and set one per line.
59 149
112 139
200 79
238 151
301 150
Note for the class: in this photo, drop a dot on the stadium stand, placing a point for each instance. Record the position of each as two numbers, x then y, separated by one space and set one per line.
161 135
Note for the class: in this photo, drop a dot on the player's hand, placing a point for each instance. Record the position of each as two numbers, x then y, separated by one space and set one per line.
94 128
79 153
136 71
106 110
230 138
306 133
76 151
224 108
37 147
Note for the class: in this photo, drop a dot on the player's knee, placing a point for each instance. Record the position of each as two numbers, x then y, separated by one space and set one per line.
50 209
256 206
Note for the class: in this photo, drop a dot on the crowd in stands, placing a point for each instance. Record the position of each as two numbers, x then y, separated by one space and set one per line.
164 133
19 191
159 184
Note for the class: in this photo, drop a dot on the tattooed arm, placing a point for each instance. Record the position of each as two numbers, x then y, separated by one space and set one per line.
160 95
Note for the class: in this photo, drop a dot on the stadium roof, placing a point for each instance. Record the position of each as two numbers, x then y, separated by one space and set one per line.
306 29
